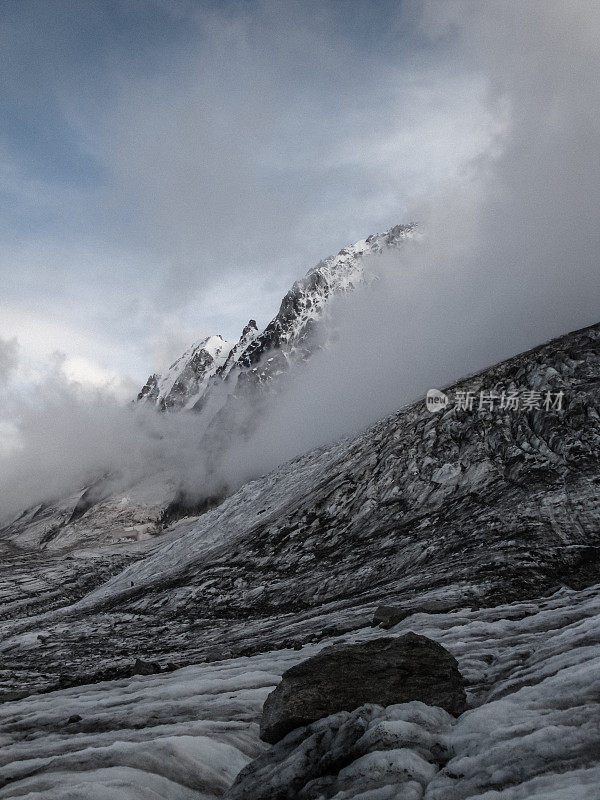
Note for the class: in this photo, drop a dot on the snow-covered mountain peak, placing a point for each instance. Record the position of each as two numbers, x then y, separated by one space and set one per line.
203 367
187 378
290 331
249 334
346 269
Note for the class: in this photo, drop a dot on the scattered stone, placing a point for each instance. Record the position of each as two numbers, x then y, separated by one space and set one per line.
344 677
388 616
73 719
216 654
11 696
145 667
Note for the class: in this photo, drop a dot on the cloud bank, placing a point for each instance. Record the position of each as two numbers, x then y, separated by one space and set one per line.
510 252
508 259
175 166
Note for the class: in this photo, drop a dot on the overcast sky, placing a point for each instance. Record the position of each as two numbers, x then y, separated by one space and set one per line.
169 168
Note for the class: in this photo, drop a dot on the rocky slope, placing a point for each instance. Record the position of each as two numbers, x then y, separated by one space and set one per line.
478 506
488 516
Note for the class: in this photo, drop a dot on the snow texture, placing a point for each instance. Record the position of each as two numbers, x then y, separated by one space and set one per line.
533 674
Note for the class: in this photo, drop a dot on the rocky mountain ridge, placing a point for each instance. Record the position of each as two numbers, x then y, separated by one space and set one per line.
473 507
187 379
288 338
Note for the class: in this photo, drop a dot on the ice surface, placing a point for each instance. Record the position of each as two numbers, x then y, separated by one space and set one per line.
533 672
299 560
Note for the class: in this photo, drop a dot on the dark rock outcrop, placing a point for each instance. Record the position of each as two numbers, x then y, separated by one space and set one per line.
342 678
145 667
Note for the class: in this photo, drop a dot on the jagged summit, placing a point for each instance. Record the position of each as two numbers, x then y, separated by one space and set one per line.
291 329
187 378
200 371
249 334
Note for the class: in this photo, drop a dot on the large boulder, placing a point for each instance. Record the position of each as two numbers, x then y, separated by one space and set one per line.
382 671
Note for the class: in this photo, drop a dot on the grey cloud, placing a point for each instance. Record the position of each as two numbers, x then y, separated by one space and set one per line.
509 254
241 145
8 359
508 258
272 142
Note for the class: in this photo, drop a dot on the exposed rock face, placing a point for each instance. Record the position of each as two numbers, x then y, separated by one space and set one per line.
249 334
149 391
291 330
384 671
396 750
